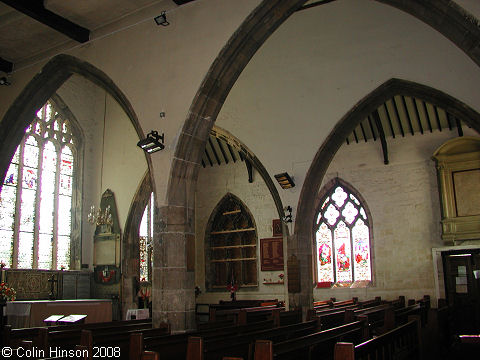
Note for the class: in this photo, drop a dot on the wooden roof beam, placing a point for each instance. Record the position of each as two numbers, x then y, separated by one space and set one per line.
381 134
36 10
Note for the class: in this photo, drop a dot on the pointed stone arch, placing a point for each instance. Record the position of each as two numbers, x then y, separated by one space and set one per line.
306 208
443 15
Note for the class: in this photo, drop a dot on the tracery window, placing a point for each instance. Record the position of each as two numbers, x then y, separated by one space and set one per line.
146 241
343 239
37 195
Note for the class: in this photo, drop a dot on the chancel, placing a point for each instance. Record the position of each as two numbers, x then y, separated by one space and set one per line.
261 163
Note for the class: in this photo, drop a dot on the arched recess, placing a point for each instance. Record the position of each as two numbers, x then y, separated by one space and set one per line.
256 164
443 15
306 207
131 243
43 87
228 217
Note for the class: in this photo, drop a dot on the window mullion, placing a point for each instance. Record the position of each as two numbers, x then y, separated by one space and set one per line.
18 202
36 217
55 210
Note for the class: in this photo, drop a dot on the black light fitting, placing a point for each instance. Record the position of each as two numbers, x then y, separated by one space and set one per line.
161 19
151 143
4 81
285 181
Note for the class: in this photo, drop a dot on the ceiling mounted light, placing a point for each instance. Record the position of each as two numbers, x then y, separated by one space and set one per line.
4 81
151 143
161 19
285 181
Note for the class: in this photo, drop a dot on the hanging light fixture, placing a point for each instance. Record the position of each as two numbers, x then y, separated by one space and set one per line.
151 143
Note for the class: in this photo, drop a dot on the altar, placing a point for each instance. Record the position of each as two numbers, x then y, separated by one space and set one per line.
24 314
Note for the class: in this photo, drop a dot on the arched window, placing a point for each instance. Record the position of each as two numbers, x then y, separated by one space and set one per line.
343 238
36 199
146 241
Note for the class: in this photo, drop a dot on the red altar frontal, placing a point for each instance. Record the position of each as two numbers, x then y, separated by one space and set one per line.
22 314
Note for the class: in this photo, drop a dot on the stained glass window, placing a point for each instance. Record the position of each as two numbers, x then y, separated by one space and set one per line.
146 241
342 239
37 194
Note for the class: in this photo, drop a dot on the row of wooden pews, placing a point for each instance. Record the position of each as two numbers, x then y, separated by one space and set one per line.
258 332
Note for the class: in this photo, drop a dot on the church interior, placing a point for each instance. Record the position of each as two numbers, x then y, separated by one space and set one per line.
179 160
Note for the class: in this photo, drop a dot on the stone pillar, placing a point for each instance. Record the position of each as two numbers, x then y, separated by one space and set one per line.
301 247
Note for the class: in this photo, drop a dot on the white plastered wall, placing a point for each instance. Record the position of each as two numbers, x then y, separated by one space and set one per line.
111 158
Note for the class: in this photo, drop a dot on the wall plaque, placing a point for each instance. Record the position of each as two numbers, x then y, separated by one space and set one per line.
271 253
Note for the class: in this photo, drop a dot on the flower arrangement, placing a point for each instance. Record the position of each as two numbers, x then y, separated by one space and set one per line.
281 276
7 293
233 289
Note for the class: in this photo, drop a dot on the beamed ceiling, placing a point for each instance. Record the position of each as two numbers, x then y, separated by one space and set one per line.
33 30
399 117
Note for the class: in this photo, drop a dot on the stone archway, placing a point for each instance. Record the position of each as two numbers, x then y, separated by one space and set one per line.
43 87
306 207
175 221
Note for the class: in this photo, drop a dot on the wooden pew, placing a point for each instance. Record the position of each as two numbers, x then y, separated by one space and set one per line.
13 337
402 343
243 315
173 347
68 338
317 345
116 339
241 344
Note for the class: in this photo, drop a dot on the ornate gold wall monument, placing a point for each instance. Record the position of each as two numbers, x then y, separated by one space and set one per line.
458 170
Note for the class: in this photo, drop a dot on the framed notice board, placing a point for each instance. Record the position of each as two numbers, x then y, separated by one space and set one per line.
271 253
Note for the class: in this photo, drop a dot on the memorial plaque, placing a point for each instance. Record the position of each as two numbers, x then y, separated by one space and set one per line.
271 250
293 270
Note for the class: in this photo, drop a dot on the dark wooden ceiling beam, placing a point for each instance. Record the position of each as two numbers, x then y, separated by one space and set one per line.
234 158
37 11
222 150
389 120
213 150
182 2
208 157
449 122
457 122
203 164
417 113
355 136
409 119
6 66
249 170
381 134
363 132
371 128
437 117
397 115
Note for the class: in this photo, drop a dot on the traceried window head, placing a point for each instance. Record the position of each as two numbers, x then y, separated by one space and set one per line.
342 239
36 196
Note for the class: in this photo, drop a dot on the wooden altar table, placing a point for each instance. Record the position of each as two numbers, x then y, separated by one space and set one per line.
22 314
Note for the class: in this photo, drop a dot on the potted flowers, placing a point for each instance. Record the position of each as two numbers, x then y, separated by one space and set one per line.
7 293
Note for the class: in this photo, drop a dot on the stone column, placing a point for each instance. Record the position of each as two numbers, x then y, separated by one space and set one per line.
174 252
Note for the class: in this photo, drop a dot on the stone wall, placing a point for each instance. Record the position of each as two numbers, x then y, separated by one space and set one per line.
404 203
213 184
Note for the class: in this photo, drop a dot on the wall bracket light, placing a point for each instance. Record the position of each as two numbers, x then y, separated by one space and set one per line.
152 142
285 181
4 81
288 215
161 19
